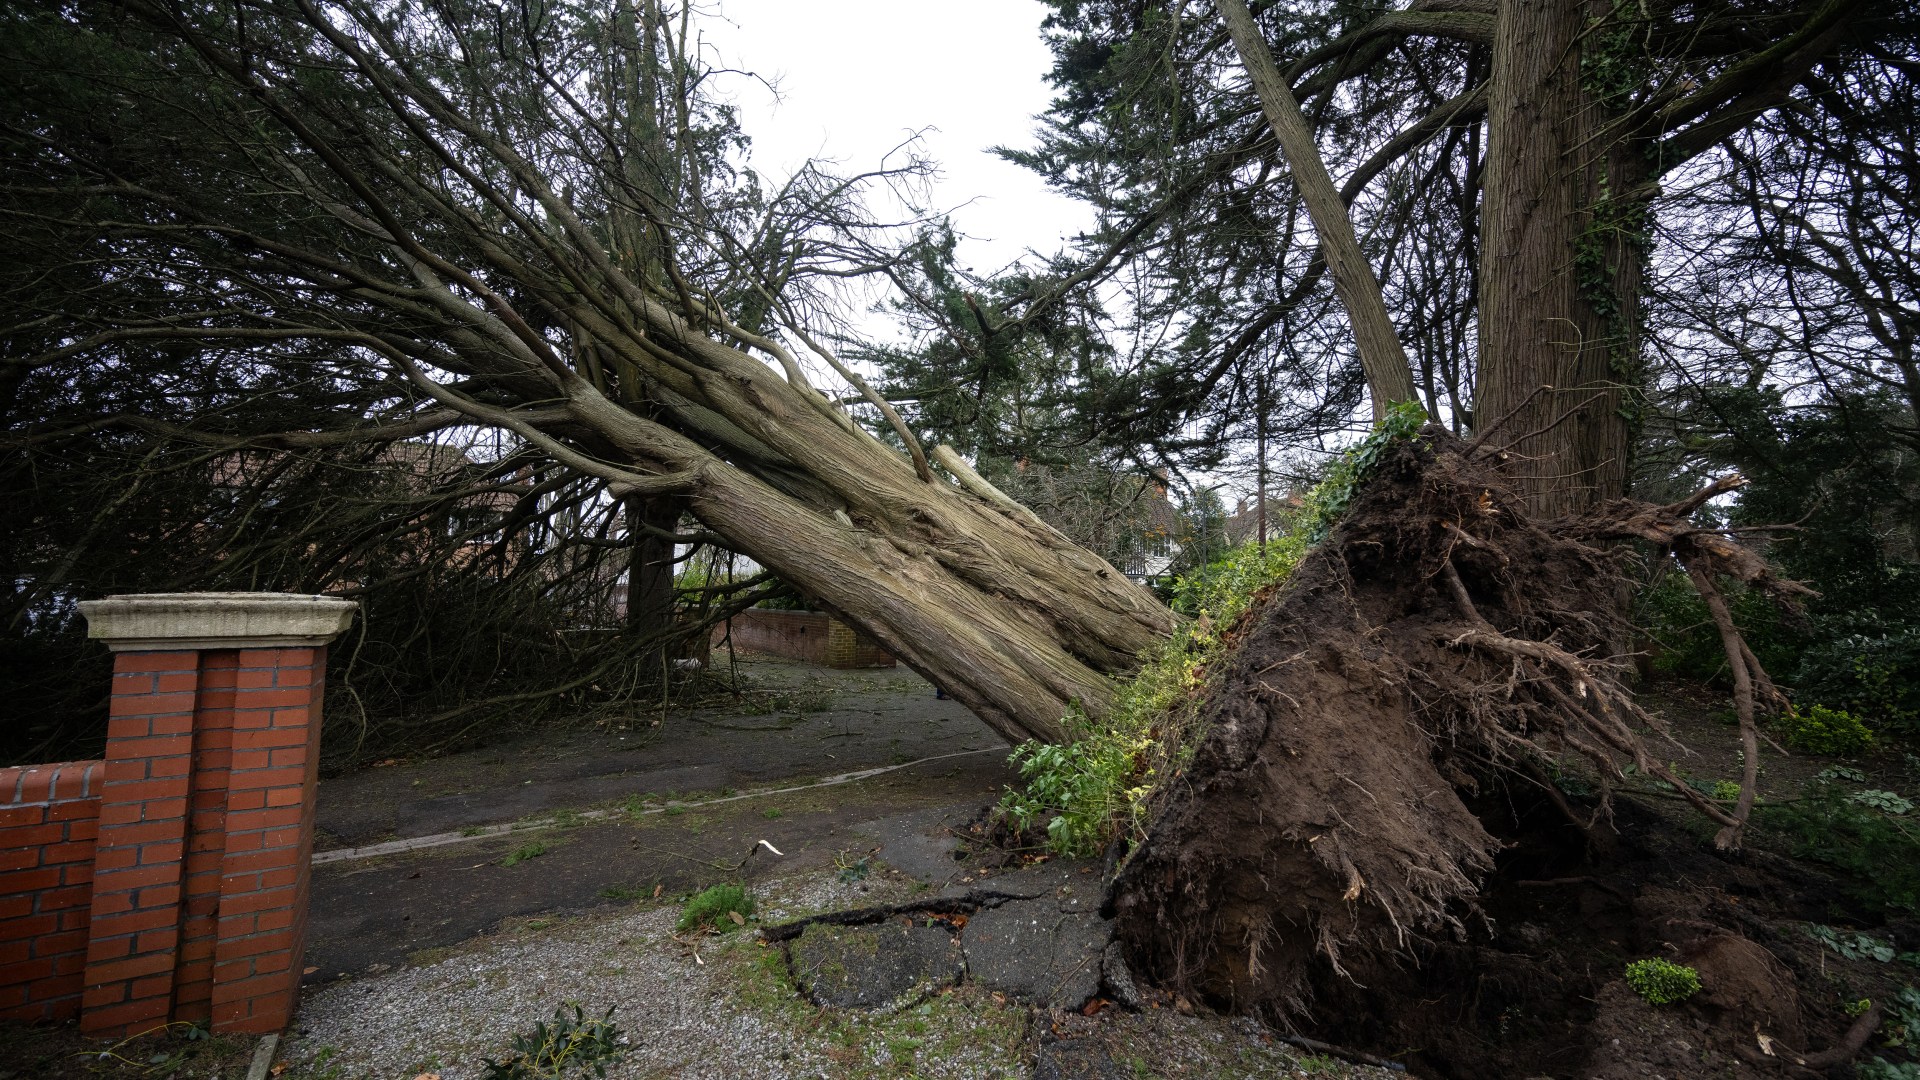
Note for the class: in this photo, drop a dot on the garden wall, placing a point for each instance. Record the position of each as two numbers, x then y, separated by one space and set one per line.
49 817
813 636
168 883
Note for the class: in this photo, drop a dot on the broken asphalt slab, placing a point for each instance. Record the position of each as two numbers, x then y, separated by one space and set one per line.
1035 934
886 965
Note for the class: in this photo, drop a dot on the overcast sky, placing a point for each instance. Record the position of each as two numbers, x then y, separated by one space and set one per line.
856 77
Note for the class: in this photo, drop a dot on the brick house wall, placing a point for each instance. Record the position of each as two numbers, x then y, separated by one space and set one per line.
49 817
849 648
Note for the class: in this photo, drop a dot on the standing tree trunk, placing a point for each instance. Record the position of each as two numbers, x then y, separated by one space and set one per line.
1389 376
1562 255
650 608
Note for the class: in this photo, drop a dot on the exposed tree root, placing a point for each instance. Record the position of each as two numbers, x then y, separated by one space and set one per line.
1439 646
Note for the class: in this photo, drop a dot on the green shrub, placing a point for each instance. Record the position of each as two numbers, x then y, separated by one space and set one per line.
1874 675
714 909
1820 730
555 1047
1223 588
1688 644
1882 1069
1662 982
1903 1018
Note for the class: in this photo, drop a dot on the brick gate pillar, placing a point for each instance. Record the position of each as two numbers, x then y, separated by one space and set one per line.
206 807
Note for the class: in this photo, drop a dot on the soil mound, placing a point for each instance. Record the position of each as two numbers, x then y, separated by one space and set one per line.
1381 744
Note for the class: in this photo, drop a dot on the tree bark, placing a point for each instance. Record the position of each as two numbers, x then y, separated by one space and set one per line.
650 608
1562 260
1389 376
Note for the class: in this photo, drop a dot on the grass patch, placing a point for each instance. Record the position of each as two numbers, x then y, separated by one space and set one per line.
721 908
533 849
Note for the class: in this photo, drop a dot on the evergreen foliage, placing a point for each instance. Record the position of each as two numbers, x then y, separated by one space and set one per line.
1662 982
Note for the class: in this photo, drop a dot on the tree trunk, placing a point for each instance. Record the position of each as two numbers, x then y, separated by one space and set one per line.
1562 252
1389 376
1013 619
650 608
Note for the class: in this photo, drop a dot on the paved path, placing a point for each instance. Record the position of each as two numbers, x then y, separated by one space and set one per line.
375 913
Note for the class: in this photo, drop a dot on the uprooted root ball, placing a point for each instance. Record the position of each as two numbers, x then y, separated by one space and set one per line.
1440 644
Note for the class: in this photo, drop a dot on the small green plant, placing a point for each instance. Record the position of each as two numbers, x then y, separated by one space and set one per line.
851 869
1882 1069
1853 946
718 909
1857 1008
1725 790
1886 802
1662 982
1082 784
532 849
557 1046
1903 1018
771 815
1820 730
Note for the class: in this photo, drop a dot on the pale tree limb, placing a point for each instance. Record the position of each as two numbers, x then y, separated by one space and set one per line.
1728 838
1389 375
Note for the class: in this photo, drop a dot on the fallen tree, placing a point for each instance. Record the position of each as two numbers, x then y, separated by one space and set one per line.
526 221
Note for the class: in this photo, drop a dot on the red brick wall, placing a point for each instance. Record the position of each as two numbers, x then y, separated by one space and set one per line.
796 635
206 827
169 882
813 636
48 819
262 926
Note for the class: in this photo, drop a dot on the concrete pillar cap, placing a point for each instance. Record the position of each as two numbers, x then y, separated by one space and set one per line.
163 622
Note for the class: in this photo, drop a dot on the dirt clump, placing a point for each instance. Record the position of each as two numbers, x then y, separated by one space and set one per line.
1372 841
